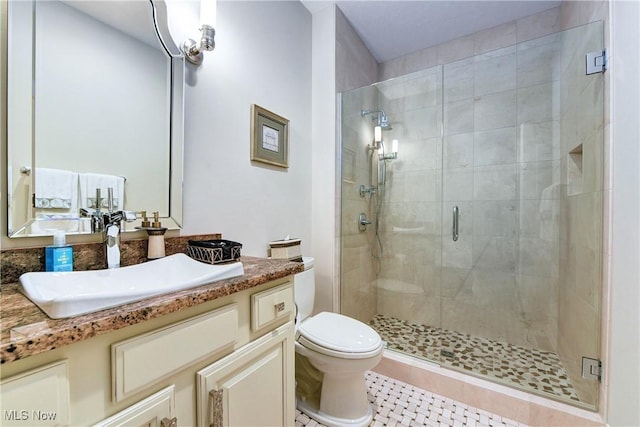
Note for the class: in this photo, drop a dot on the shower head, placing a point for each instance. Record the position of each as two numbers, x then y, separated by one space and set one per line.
380 116
383 121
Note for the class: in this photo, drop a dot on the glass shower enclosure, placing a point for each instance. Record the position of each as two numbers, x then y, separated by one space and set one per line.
477 244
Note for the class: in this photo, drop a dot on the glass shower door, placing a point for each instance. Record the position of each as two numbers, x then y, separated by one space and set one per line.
522 177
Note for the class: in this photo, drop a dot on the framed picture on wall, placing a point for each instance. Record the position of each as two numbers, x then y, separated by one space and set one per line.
269 137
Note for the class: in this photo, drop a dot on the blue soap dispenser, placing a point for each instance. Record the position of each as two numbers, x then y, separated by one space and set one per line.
59 256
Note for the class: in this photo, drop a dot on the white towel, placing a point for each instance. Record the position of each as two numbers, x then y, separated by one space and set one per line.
89 182
56 189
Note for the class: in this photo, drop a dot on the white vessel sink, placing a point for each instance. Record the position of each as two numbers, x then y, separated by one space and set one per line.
68 294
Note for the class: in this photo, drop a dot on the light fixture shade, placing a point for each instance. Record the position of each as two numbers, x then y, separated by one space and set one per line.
377 134
208 12
193 49
208 17
394 146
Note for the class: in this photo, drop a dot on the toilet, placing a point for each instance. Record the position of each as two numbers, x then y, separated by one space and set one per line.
333 352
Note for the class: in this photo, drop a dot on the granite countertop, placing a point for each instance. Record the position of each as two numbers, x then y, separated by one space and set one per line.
26 330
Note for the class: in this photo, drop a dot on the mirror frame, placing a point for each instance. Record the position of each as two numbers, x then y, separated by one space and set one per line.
176 162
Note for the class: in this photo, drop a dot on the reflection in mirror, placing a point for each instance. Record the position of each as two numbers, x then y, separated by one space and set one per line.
101 117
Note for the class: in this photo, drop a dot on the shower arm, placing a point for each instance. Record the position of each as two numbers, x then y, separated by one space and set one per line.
381 117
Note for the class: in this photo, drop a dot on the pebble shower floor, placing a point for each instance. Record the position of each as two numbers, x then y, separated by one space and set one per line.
400 404
532 369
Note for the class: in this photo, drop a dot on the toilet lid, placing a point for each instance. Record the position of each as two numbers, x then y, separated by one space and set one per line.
340 333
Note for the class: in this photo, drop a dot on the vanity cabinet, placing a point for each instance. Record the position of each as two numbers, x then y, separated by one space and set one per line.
211 363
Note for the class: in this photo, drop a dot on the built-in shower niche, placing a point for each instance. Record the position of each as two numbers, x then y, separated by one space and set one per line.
574 171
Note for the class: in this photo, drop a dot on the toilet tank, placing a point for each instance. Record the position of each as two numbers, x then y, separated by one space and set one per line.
305 290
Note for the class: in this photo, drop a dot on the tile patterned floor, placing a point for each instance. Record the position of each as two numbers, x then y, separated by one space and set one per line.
400 404
531 369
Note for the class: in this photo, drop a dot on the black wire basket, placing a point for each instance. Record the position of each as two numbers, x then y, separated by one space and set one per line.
214 251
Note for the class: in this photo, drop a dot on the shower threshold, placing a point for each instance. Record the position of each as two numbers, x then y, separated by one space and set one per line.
525 368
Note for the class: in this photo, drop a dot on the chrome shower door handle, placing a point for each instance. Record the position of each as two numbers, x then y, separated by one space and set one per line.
454 229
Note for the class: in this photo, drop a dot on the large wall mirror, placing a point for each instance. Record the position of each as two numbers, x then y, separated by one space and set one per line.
94 100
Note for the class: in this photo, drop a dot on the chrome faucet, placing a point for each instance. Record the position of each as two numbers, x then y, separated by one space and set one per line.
110 225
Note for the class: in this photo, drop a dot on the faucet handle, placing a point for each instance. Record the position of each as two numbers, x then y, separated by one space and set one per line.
98 200
156 220
110 203
145 220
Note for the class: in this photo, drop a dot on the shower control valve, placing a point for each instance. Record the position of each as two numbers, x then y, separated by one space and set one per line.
364 191
363 222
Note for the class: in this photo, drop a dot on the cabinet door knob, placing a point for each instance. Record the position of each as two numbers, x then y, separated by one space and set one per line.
166 422
279 307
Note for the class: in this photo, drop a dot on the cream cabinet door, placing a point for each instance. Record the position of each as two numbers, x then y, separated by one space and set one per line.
39 397
254 386
155 411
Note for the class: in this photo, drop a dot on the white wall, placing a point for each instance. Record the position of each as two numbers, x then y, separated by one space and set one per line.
623 370
262 56
324 157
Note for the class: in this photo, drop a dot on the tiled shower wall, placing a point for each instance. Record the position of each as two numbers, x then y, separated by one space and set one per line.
355 67
410 215
358 269
501 168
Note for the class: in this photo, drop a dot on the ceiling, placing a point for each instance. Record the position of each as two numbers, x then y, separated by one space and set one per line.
392 28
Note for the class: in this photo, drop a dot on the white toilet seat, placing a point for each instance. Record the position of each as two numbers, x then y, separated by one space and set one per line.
339 336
